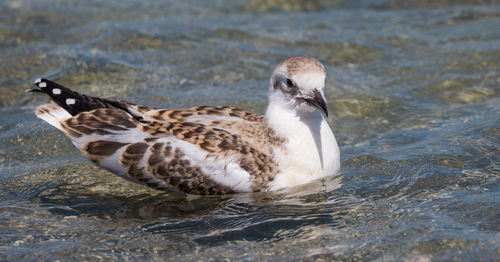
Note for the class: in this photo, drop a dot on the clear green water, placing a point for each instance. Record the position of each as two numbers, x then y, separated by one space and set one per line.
413 91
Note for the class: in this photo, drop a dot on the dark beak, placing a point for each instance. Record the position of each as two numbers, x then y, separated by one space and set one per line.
318 102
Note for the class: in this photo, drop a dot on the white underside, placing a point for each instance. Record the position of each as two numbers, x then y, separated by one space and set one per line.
311 151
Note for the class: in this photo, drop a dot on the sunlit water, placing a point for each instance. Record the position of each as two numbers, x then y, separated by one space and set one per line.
413 88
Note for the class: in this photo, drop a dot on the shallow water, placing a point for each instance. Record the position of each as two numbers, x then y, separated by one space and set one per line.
413 91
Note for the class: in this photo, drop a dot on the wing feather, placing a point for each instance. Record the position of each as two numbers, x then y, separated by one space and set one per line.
191 157
167 115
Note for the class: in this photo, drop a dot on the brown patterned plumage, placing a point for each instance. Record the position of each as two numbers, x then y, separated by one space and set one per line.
163 165
202 149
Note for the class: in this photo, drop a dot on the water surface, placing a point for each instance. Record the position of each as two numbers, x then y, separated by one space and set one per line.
414 94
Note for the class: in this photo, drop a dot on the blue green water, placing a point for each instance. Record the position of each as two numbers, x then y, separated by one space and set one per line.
413 91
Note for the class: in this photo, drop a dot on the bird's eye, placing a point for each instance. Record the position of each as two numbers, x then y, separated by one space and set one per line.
289 83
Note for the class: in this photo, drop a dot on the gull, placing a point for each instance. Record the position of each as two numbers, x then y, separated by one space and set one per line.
206 150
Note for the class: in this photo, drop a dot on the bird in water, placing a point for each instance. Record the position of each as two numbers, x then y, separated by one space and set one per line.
206 150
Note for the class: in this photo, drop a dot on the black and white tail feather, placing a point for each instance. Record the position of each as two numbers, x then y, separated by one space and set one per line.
65 103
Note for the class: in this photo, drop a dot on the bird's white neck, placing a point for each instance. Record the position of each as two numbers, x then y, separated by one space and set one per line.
310 150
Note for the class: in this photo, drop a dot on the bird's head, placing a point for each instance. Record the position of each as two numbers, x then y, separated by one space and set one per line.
299 83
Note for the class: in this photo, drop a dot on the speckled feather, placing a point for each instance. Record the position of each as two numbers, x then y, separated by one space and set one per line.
162 164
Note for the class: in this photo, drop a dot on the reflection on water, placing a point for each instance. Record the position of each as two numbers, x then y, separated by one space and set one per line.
413 91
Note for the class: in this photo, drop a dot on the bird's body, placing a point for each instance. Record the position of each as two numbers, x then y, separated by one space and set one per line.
206 150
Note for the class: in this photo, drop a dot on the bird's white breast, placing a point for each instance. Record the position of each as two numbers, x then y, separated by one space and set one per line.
311 150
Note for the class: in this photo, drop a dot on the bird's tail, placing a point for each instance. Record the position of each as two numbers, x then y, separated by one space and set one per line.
53 114
71 101
65 103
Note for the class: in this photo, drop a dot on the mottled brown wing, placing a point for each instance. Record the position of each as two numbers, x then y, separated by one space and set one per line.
191 157
249 126
183 114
